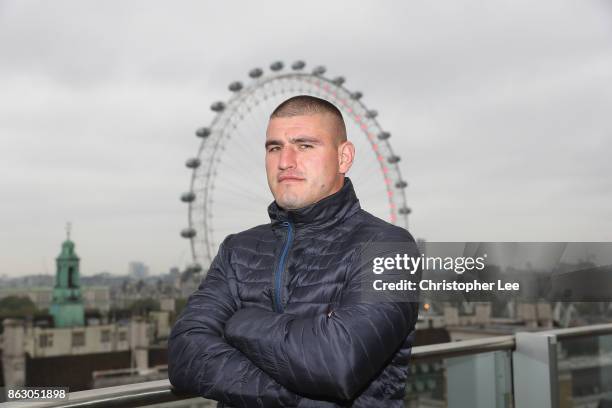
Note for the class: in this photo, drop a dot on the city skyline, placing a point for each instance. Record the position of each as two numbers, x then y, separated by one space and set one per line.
500 115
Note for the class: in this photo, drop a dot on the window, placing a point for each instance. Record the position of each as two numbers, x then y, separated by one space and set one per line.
45 340
105 336
78 339
122 336
71 283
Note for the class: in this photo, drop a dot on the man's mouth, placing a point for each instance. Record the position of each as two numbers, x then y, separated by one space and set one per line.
289 179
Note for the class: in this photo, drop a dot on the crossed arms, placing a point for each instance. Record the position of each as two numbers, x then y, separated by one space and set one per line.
201 361
253 357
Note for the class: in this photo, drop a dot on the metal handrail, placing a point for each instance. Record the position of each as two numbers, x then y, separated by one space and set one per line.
122 396
464 347
583 331
155 392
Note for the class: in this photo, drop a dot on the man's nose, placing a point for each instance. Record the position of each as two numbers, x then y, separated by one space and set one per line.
287 158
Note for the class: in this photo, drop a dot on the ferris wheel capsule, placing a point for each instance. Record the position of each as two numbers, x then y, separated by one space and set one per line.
393 159
356 95
188 233
193 163
276 66
188 197
384 135
405 210
371 114
203 132
338 80
217 106
298 65
401 184
235 86
255 73
318 71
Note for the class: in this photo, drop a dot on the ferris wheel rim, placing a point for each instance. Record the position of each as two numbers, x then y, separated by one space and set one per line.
231 108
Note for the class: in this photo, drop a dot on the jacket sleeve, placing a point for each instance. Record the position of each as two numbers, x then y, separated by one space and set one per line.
334 355
200 360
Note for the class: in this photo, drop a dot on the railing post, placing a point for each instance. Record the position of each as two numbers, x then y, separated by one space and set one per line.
479 381
535 371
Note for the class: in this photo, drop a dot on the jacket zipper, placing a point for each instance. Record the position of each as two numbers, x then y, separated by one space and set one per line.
280 269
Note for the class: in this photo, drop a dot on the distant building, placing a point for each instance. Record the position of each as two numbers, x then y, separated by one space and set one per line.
78 357
138 270
67 305
76 349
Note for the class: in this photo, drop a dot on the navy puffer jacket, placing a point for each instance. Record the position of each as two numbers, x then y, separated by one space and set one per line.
279 322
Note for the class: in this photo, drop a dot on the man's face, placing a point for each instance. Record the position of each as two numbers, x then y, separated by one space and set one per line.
304 161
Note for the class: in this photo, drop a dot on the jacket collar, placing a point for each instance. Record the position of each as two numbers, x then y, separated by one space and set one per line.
323 213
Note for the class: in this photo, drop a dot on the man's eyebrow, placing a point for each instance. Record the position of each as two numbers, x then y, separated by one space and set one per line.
305 139
296 140
273 142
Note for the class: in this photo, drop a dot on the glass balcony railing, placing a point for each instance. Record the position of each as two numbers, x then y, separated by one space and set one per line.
556 368
584 370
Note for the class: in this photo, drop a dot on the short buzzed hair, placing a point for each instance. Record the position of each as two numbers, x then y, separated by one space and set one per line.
310 105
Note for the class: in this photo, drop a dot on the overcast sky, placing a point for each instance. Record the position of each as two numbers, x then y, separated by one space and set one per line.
500 111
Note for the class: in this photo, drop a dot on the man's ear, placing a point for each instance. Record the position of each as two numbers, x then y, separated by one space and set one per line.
346 155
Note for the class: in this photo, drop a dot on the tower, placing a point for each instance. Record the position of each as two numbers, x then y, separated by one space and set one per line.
67 307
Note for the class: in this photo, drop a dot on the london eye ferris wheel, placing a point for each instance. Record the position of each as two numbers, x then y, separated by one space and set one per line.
228 190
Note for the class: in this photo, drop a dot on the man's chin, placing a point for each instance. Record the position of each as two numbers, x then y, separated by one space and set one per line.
290 203
289 206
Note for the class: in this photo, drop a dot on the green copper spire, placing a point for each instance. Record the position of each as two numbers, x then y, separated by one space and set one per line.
67 307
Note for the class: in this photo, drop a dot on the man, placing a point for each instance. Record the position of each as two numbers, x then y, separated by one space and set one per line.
279 320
